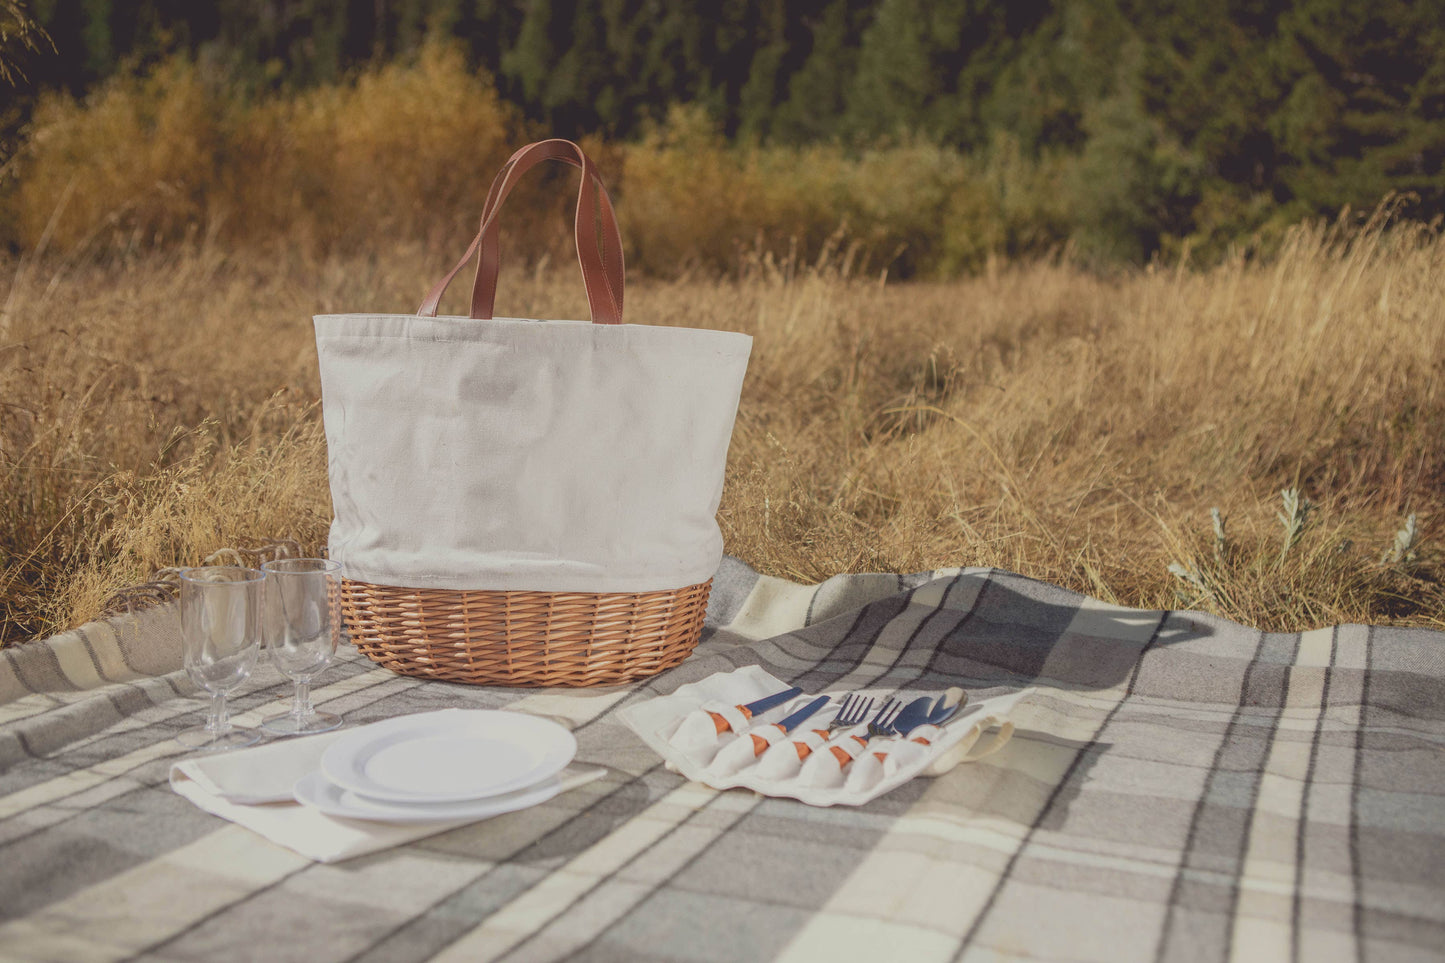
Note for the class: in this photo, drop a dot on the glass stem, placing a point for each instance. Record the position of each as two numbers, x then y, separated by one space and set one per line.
219 719
301 706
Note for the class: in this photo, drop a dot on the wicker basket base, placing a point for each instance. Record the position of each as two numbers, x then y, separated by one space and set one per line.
517 638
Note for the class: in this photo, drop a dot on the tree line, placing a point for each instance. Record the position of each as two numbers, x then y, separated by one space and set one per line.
1189 118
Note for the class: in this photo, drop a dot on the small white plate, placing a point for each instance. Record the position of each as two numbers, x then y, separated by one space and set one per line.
316 791
454 755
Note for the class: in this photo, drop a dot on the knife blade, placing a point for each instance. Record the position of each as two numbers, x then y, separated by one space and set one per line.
756 707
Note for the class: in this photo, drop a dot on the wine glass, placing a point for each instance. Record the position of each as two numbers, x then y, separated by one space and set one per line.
221 628
303 625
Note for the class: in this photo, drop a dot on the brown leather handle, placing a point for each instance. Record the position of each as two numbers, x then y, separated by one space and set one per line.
601 274
602 264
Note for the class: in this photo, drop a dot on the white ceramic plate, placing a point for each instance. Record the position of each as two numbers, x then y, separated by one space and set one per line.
454 755
318 792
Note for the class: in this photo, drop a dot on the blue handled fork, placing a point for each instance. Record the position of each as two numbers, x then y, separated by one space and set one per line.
855 709
880 725
852 710
883 722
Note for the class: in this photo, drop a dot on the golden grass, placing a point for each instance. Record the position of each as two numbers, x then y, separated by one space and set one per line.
407 150
1071 427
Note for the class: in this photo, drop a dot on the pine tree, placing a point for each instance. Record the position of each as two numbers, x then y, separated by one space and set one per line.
816 93
760 93
1363 106
895 79
529 60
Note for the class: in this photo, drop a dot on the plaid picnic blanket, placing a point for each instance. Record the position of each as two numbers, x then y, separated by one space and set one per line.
1178 788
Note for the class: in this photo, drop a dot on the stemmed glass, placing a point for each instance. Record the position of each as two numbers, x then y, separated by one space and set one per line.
303 625
221 628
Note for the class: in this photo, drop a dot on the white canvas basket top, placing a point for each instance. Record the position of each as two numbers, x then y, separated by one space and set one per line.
517 454
545 456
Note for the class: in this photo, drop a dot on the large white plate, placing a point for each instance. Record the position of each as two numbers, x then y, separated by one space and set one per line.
453 755
318 792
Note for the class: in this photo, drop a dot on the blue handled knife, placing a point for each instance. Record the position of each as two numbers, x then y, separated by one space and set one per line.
767 702
761 743
796 719
756 707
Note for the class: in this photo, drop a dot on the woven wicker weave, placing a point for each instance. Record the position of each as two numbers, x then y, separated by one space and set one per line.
519 638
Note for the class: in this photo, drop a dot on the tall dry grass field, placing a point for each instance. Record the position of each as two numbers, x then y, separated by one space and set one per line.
1071 427
159 392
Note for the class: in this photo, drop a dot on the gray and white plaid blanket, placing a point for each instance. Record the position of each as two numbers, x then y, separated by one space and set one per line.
1178 788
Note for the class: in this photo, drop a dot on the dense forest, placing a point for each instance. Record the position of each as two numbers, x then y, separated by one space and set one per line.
1192 118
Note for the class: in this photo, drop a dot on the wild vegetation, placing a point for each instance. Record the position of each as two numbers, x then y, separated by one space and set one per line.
166 157
1152 126
1253 431
1037 417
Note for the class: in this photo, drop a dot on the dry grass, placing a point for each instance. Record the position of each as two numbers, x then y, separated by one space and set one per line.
1079 430
1037 418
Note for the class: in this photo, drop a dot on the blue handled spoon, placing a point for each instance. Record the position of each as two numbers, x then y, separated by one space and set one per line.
913 715
926 712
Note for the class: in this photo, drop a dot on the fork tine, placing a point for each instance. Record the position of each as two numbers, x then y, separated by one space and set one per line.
853 711
882 723
888 714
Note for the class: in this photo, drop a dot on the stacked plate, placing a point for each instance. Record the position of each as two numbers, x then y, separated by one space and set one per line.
437 766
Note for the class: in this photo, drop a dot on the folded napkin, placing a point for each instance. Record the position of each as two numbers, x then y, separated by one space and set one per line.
253 788
262 774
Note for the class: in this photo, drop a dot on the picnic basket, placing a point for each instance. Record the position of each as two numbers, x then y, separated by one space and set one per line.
522 502
522 638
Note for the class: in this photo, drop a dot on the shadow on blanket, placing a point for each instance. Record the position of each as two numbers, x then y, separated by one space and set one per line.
981 629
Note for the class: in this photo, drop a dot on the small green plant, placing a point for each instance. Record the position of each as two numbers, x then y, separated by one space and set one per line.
1405 550
1294 518
1192 575
1221 543
1207 582
1317 580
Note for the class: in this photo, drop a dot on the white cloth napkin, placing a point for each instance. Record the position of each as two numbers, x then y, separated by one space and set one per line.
261 774
253 788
